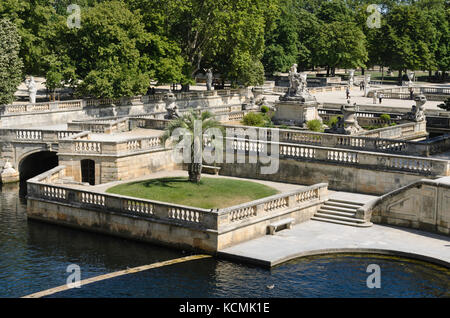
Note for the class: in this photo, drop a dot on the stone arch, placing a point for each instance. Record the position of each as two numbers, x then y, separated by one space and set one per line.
36 162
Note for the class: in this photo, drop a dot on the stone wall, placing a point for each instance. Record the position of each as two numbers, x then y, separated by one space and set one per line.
340 177
424 204
164 223
114 168
61 112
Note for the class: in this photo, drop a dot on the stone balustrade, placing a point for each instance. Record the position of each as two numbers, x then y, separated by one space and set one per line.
36 135
281 203
115 148
104 126
377 161
432 93
366 143
42 107
43 187
90 102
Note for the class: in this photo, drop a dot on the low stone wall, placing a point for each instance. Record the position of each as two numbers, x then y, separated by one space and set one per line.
110 168
51 113
103 126
365 143
424 204
343 170
163 223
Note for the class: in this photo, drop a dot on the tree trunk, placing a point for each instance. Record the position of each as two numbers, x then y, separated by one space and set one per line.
185 87
328 71
362 70
195 172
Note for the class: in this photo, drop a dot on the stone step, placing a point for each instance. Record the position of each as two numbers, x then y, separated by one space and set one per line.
336 208
326 211
358 204
337 217
343 205
365 224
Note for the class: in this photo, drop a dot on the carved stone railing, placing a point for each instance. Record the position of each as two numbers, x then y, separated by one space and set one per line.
42 107
91 102
36 135
432 93
246 213
104 126
82 145
345 141
363 159
44 187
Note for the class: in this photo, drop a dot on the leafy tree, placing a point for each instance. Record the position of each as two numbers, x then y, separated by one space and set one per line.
10 62
409 37
109 49
282 43
345 46
188 123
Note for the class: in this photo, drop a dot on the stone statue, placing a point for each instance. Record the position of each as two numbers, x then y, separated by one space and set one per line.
366 84
9 174
32 90
417 112
172 113
298 90
410 78
352 77
209 79
171 106
347 125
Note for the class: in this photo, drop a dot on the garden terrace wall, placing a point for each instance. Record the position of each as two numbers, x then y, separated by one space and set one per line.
424 204
164 223
51 113
343 170
364 143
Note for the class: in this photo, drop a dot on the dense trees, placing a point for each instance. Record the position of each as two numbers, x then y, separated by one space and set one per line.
121 45
10 63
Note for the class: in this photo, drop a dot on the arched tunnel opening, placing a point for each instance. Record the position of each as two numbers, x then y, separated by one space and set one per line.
34 165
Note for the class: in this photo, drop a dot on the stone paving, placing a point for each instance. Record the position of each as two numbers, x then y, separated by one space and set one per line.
313 237
356 96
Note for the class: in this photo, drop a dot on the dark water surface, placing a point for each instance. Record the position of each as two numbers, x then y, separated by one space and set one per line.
34 257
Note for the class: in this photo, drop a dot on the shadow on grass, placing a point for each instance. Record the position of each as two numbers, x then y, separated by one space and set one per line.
164 182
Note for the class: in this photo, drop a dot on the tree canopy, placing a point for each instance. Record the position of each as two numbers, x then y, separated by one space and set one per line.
123 45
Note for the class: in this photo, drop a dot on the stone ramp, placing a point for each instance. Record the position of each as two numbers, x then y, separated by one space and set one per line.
314 238
341 208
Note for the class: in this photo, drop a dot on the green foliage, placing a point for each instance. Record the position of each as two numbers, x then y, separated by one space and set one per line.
10 62
314 125
333 121
257 120
264 109
385 117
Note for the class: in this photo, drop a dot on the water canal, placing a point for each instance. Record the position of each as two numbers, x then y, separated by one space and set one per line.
34 257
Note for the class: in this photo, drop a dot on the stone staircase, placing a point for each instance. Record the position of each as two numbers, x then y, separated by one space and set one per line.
340 212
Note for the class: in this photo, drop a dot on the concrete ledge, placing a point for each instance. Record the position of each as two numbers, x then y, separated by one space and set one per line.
317 238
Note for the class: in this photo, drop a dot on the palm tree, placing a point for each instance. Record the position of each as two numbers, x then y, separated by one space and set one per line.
187 122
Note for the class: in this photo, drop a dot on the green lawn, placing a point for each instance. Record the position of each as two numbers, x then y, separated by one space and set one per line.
210 193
